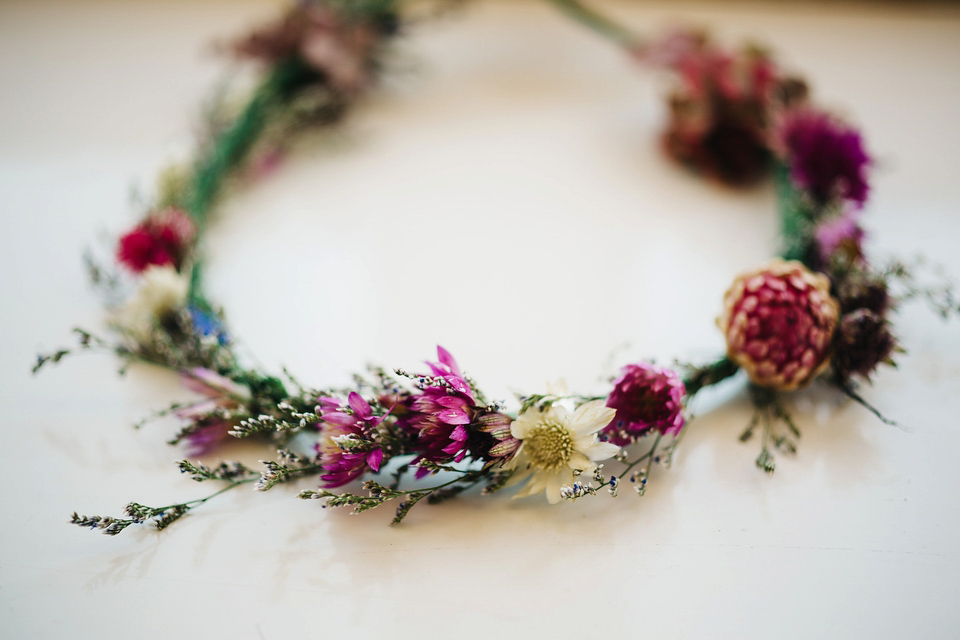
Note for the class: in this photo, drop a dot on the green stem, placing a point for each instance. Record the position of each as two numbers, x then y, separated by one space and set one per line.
598 23
709 375
230 149
796 218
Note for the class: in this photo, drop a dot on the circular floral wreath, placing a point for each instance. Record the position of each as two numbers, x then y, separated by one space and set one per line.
820 311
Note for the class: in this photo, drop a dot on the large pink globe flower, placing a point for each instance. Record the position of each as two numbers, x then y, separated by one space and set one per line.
779 320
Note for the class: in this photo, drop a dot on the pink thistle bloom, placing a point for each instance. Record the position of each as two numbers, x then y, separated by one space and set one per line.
646 398
779 321
348 447
443 413
162 239
210 427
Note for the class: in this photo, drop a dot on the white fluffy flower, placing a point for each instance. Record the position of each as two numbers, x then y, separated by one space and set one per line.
556 442
161 291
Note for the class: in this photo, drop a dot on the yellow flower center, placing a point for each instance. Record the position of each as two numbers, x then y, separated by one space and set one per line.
549 446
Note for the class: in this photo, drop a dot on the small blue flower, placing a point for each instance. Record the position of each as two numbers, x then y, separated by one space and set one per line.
206 323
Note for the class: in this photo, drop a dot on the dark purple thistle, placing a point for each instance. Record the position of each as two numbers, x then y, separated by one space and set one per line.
826 157
862 343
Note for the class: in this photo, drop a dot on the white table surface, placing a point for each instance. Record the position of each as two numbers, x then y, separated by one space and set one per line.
502 196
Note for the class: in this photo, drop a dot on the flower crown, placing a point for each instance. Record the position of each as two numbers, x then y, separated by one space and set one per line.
818 312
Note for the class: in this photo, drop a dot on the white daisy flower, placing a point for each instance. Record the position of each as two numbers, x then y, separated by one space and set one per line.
161 291
555 442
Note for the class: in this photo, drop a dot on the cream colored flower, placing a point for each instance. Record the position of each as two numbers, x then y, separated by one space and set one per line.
556 442
161 291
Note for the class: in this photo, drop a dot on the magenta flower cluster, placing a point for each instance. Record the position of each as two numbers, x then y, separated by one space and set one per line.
647 398
348 445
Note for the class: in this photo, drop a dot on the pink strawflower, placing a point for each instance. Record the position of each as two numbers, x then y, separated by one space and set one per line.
646 398
207 426
208 436
779 320
348 445
841 236
442 413
162 239
826 157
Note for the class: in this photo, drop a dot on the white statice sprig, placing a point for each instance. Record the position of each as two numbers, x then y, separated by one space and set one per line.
557 444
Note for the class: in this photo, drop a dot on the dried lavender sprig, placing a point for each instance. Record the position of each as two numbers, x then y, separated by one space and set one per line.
581 489
226 470
378 494
137 513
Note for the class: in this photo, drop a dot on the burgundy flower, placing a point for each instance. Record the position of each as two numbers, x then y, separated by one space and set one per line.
337 44
646 397
859 289
348 448
863 341
826 157
162 239
719 112
778 321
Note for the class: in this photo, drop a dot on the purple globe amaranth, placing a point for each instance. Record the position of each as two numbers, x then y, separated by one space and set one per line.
646 398
825 156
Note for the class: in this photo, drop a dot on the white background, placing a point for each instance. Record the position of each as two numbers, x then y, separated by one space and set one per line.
503 196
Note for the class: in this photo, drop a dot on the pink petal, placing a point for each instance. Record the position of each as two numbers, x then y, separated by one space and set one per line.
451 402
360 406
453 416
374 458
444 356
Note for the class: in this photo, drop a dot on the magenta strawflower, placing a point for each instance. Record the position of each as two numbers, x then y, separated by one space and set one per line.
778 321
442 413
208 427
826 157
348 444
646 398
840 237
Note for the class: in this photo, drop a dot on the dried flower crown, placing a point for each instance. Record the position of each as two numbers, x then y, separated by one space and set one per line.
820 311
